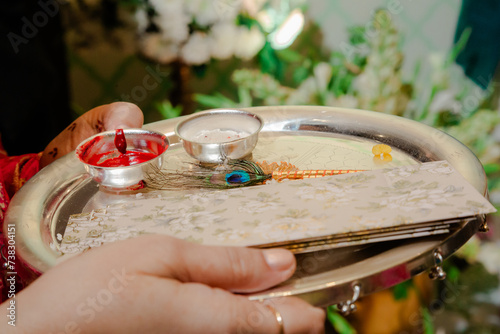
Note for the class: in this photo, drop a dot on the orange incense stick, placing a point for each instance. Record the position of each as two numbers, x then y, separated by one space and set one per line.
311 174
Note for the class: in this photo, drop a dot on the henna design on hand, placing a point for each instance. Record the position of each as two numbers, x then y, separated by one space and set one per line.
72 127
99 126
53 152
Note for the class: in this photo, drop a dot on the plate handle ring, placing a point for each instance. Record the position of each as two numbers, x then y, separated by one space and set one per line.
349 306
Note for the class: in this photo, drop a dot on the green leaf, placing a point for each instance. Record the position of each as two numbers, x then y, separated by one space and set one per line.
289 56
245 97
207 100
357 35
266 59
269 62
167 110
427 321
494 184
453 273
459 46
400 291
478 279
247 21
491 168
480 145
200 70
339 323
416 70
300 74
216 101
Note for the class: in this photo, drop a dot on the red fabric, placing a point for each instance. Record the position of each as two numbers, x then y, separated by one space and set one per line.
14 172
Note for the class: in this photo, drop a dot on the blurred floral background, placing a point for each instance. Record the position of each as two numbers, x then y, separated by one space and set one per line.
174 58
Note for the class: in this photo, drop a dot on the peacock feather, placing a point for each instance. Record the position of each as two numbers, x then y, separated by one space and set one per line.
234 174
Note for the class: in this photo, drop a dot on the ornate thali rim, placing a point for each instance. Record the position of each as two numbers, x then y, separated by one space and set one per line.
33 208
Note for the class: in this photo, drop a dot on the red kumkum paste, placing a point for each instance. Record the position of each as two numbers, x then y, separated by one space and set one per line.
126 158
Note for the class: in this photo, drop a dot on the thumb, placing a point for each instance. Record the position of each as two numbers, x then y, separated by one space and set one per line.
120 115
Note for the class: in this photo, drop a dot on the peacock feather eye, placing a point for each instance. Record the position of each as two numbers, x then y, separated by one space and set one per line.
238 177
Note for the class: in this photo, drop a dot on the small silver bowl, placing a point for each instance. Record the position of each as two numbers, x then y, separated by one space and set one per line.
102 146
214 136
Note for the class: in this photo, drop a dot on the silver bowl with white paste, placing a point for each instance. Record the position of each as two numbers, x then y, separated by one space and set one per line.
217 135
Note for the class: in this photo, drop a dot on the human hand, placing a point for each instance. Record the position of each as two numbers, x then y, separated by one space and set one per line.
159 284
106 117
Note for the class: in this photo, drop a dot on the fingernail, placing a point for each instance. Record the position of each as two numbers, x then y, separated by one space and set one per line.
279 259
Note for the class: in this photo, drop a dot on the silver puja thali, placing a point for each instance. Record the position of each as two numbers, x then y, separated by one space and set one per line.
309 137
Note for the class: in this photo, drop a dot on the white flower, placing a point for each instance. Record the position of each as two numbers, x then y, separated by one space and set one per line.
266 21
489 255
192 6
169 8
223 37
173 28
141 18
206 12
322 74
343 101
440 75
252 7
366 84
154 47
437 60
346 101
207 16
445 101
226 10
249 42
171 19
304 93
197 50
